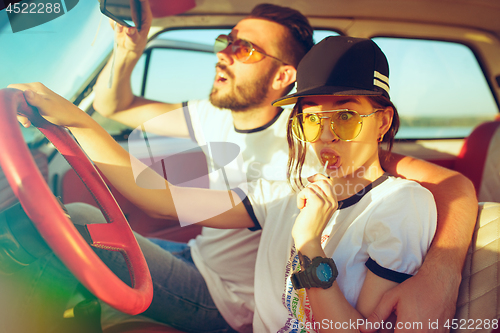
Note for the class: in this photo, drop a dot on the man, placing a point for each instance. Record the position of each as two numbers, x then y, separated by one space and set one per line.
246 84
219 264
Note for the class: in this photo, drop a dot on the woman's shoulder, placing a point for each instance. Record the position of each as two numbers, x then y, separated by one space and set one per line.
401 186
401 200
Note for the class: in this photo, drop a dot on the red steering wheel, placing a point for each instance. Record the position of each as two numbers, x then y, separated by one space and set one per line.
57 230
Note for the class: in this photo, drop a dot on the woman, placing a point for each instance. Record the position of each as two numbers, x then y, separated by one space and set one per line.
328 254
376 228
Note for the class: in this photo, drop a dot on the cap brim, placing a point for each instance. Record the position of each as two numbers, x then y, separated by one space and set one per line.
325 91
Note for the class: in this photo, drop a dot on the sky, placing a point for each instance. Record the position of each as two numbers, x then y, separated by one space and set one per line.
58 53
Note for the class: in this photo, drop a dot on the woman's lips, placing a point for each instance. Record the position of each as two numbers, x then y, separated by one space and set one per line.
332 158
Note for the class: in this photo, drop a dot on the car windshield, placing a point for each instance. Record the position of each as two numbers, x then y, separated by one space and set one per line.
62 53
65 54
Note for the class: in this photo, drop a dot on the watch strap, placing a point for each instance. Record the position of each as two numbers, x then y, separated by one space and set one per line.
304 261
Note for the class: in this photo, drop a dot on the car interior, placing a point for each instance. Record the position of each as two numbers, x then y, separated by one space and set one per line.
447 53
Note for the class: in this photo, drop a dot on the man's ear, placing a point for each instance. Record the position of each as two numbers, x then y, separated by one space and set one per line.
285 76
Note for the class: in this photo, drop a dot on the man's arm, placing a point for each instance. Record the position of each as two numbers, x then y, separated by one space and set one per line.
155 195
432 293
116 100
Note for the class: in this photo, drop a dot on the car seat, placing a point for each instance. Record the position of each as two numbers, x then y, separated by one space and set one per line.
479 295
479 160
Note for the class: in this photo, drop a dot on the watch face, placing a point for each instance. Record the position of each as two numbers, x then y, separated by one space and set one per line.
324 272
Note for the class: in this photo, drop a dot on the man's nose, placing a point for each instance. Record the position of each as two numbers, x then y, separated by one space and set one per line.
226 55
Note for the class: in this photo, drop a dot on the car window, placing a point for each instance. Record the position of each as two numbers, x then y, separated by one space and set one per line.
439 88
178 65
191 79
178 75
62 53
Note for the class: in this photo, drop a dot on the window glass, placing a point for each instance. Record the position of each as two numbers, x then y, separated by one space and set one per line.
62 53
437 87
179 75
181 68
319 35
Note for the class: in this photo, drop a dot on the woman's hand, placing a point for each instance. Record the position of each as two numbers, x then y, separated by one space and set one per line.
317 203
129 39
50 105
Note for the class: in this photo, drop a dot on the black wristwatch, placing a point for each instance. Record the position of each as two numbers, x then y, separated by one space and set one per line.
320 273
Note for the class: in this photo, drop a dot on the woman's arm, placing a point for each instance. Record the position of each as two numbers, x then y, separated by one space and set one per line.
317 203
397 239
155 196
330 306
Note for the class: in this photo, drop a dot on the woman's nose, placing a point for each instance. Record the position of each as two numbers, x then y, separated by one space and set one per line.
327 133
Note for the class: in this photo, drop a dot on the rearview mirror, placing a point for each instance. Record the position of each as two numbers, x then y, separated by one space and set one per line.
124 12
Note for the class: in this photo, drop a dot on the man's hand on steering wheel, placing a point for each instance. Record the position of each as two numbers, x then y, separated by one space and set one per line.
50 105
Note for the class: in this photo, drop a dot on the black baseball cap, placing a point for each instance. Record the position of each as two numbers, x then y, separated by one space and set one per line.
341 66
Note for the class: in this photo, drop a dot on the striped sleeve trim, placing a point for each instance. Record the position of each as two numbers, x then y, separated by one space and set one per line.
386 273
248 207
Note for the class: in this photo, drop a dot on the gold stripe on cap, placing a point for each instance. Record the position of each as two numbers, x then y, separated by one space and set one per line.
380 80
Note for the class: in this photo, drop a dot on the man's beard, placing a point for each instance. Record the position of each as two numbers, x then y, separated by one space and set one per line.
242 98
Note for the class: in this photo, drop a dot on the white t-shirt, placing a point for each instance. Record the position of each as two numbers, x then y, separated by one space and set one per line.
389 228
226 258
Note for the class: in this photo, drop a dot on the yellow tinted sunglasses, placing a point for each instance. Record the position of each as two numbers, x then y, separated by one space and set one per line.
346 124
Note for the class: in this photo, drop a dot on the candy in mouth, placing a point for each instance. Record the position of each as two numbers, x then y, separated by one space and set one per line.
330 158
